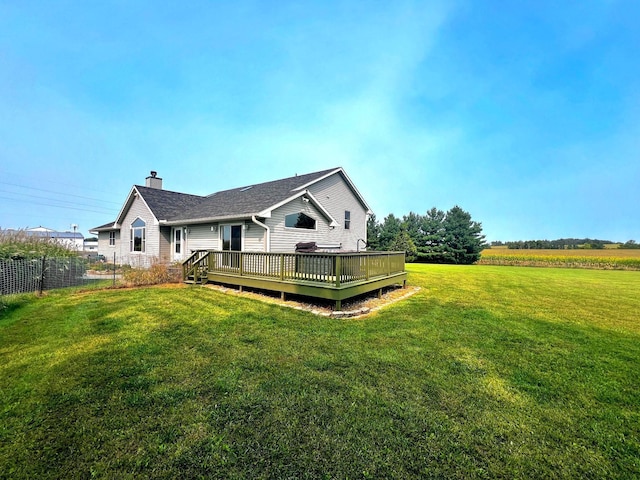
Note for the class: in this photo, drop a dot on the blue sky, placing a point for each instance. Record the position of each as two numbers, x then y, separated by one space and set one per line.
526 114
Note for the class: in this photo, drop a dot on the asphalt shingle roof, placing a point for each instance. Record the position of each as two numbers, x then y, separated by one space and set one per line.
249 199
167 205
237 202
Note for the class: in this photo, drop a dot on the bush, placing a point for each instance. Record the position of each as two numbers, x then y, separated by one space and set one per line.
156 274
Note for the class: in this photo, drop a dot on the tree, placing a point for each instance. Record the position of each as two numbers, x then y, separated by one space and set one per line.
373 233
462 236
391 227
403 243
431 247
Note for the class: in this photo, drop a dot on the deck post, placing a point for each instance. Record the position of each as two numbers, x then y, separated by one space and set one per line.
338 305
338 270
366 266
240 263
282 268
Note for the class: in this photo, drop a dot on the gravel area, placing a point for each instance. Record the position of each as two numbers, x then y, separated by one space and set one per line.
355 307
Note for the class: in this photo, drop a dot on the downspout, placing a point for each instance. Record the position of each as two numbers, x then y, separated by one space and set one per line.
268 236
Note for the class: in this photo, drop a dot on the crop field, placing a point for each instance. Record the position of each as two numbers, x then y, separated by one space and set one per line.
606 259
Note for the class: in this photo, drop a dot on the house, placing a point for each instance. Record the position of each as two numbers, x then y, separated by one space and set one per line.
90 245
154 224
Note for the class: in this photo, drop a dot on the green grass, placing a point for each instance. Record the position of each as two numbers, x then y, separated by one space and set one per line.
486 372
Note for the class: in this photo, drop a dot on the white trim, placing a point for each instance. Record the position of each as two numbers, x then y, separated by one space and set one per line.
267 247
232 224
127 205
327 175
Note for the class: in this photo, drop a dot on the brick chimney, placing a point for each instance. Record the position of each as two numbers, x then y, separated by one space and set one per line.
153 181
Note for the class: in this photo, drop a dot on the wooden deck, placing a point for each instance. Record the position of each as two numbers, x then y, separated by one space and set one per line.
332 276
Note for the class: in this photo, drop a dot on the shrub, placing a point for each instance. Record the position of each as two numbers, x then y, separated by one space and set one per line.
19 244
156 274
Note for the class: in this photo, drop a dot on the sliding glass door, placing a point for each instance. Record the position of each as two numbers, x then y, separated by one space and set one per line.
231 236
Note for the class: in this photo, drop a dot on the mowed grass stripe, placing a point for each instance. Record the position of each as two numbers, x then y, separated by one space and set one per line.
487 372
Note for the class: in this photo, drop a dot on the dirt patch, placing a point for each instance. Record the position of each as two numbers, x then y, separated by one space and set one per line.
355 307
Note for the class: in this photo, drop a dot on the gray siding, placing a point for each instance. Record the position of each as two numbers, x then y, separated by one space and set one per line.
254 238
152 248
165 244
336 196
284 239
108 250
200 237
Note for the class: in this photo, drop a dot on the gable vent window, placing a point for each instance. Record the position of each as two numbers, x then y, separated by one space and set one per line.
138 237
300 220
347 219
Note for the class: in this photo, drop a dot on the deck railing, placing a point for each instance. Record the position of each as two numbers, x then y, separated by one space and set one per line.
335 269
195 267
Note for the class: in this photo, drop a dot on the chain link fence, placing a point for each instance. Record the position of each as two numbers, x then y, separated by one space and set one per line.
39 274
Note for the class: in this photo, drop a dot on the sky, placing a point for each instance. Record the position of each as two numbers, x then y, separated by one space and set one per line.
526 114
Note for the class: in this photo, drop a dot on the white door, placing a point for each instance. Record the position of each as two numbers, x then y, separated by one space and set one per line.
179 244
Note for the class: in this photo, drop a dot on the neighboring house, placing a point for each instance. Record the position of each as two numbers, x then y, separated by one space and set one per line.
90 245
159 225
71 240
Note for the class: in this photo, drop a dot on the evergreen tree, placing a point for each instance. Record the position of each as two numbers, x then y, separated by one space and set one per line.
373 233
462 236
403 243
431 247
412 224
389 230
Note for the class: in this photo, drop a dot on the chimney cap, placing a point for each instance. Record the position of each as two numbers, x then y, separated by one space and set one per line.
154 173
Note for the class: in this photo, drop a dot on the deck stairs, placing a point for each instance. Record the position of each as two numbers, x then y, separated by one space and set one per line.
195 268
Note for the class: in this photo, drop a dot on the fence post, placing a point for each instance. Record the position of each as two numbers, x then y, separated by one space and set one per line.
114 269
44 257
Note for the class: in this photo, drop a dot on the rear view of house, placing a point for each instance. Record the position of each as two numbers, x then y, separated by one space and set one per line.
322 208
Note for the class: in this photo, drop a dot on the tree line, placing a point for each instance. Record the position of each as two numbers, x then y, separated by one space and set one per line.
435 237
562 244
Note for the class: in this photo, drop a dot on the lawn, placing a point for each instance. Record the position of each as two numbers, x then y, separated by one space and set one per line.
486 372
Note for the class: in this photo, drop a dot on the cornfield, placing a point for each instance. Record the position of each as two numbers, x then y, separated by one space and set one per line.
610 259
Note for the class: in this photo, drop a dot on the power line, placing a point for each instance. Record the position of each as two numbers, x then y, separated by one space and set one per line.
55 206
57 200
7 174
58 193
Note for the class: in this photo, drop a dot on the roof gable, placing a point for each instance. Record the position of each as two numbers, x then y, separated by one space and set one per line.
250 200
163 204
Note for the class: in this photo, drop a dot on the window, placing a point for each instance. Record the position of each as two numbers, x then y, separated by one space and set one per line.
300 220
138 236
178 240
112 239
231 236
347 219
